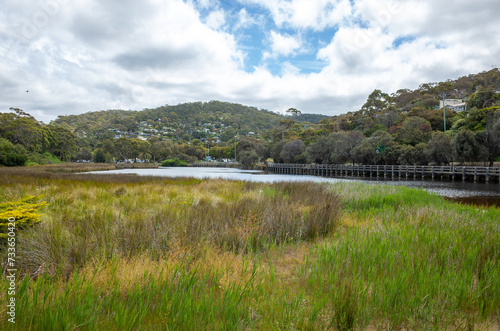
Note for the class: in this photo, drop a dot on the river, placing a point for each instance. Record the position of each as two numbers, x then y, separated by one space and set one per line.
465 192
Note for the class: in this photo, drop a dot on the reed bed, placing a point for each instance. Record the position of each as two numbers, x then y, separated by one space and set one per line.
135 253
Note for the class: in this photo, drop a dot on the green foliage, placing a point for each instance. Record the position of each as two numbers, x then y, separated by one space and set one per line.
42 159
466 147
12 155
248 157
174 163
99 156
292 151
413 131
439 149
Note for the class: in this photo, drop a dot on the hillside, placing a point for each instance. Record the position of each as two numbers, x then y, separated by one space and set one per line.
184 121
405 127
478 93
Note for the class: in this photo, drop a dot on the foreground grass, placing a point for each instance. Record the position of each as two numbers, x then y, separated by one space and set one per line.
130 253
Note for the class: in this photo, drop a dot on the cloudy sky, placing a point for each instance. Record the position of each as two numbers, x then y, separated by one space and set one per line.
319 56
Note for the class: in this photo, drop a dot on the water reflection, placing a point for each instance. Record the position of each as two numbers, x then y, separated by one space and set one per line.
456 190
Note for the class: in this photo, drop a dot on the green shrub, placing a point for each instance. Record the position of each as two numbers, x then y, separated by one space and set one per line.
12 155
174 163
42 159
99 156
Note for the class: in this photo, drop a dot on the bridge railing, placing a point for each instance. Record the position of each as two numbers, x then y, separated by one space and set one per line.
463 172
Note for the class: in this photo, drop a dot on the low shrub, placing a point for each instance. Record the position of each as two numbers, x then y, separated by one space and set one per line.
21 212
174 163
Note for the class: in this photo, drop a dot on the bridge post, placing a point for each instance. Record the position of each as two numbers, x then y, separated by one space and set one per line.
475 174
487 175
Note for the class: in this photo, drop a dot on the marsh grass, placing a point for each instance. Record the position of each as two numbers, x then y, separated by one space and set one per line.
132 253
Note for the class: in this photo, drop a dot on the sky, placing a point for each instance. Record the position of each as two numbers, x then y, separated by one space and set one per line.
62 57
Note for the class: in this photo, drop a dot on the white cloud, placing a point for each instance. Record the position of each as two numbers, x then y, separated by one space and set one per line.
206 4
216 19
283 44
88 55
245 20
306 14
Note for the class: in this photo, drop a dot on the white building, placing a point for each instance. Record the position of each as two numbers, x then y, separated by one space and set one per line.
453 104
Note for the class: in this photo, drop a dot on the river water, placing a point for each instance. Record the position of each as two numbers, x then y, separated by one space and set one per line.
465 192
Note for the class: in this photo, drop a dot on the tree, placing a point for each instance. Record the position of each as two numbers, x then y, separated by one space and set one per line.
294 112
376 102
393 154
248 158
12 155
274 150
22 128
228 135
248 148
83 155
490 137
292 150
108 146
390 117
466 148
62 143
161 150
438 148
342 144
417 156
141 149
198 152
413 131
373 150
99 156
123 149
435 117
319 152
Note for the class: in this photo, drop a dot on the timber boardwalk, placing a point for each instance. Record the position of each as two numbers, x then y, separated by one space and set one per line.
485 174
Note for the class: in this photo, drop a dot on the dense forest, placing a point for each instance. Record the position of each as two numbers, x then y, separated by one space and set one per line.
405 127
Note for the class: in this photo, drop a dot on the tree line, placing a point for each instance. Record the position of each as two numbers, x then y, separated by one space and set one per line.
406 127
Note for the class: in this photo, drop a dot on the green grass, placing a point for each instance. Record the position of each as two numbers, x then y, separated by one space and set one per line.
134 253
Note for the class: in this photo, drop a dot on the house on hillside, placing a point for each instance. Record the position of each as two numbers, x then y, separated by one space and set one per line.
453 104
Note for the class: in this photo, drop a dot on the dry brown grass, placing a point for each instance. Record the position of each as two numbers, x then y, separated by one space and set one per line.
100 216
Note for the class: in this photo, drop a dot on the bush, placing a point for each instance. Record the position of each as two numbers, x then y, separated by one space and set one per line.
99 156
174 163
42 159
12 155
23 211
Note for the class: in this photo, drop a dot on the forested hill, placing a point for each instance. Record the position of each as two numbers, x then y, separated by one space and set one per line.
475 92
187 118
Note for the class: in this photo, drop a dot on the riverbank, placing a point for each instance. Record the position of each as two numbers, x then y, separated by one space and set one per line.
129 252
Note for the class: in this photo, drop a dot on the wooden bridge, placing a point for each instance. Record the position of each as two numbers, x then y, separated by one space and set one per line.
463 173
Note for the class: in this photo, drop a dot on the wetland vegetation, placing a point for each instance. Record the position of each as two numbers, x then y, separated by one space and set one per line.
143 253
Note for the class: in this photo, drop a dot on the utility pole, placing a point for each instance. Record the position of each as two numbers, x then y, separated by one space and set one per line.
444 113
235 137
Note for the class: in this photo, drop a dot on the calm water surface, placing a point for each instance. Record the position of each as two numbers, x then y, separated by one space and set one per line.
467 192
